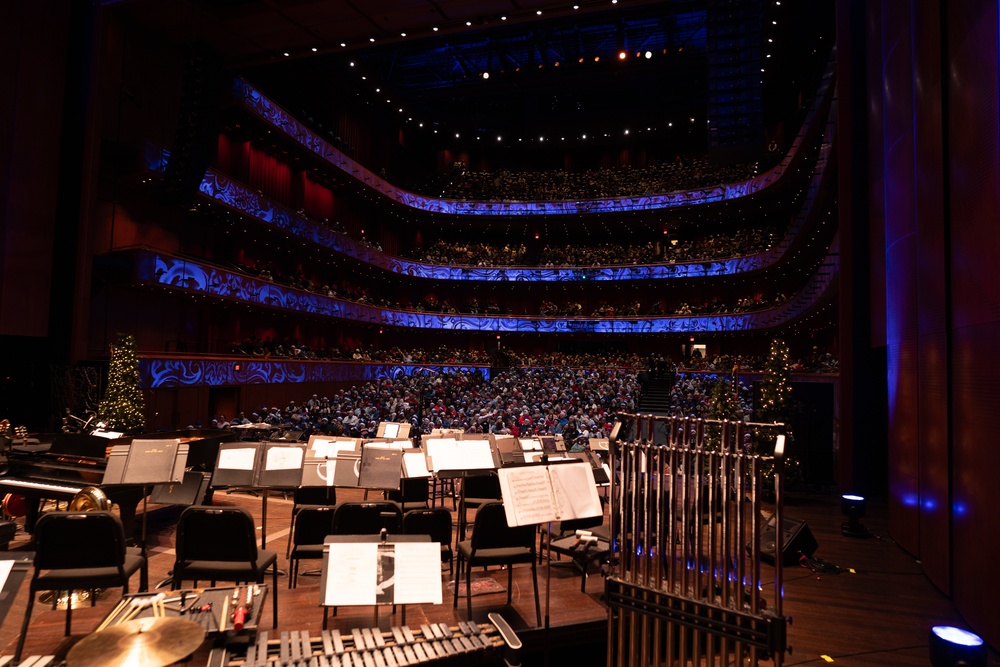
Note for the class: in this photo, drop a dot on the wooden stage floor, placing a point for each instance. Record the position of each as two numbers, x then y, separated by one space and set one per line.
876 611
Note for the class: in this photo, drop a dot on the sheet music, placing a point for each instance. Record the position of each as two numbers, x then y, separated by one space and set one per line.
284 458
576 491
539 494
330 448
7 565
237 458
451 454
356 573
418 573
527 495
415 464
530 444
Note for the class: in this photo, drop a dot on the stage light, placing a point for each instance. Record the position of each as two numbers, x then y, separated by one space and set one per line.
954 647
853 507
486 75
622 55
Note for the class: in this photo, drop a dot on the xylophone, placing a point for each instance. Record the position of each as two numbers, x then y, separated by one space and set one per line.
437 644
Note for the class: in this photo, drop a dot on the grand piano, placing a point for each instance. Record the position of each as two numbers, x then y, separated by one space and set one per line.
62 467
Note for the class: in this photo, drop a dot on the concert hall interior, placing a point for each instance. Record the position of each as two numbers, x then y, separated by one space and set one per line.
673 273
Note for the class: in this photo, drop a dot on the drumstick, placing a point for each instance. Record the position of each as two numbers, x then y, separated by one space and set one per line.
223 618
114 612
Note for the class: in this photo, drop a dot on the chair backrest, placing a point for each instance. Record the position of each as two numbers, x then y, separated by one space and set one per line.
313 523
411 490
434 521
78 540
482 486
316 495
216 533
490 530
367 517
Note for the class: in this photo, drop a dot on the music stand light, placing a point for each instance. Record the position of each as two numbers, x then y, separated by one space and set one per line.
853 507
952 647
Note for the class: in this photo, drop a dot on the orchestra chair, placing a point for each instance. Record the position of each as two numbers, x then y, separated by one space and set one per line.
220 544
367 517
493 542
79 551
476 491
414 493
312 523
436 522
309 495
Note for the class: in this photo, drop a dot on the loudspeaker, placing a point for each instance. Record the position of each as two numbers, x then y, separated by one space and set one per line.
797 540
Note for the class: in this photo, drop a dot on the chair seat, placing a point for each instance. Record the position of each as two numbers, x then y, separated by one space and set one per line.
308 551
226 571
495 556
96 577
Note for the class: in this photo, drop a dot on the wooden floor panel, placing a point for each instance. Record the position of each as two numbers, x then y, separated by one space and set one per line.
876 611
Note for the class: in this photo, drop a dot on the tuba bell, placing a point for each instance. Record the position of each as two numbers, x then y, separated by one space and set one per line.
89 499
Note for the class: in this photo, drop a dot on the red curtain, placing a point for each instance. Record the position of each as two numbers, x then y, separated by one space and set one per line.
269 175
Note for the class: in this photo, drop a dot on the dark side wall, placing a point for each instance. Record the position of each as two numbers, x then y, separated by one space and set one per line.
933 195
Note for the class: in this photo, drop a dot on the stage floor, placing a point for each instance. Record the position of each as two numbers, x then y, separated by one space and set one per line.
876 611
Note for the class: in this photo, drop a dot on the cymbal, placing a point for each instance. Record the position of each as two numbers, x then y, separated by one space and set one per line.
142 642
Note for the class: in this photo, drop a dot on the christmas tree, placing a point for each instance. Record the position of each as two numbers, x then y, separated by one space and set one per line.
122 408
776 387
776 407
724 406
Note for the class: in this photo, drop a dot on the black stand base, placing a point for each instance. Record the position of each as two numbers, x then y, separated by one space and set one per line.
852 529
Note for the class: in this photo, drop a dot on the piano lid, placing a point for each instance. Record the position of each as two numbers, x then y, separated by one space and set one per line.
78 444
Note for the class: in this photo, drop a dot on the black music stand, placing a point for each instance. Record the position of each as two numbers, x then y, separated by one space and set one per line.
453 459
547 491
146 463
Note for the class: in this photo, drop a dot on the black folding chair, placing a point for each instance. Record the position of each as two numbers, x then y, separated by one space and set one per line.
220 544
79 551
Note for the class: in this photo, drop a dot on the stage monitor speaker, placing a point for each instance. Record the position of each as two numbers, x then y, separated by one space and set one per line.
797 541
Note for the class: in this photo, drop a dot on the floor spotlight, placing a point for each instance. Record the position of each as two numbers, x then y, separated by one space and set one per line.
853 507
952 647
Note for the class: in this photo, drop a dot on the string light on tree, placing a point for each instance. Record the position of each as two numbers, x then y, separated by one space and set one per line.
123 405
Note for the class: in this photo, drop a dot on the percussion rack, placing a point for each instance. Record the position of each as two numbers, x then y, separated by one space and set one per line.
466 645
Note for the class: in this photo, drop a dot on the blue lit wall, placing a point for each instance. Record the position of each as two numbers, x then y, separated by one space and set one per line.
157 373
246 201
163 270
271 113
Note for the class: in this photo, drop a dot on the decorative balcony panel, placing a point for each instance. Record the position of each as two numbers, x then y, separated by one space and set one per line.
158 373
242 199
189 276
272 114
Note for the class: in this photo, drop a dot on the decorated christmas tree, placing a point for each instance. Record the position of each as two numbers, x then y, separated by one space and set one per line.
724 406
776 386
775 406
122 408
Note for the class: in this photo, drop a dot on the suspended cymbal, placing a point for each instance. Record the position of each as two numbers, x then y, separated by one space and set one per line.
143 642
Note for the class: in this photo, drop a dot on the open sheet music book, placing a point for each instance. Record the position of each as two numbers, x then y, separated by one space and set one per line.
535 494
146 462
455 455
267 464
371 573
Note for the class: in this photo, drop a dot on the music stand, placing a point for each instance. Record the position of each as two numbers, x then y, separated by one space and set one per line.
537 493
145 463
380 570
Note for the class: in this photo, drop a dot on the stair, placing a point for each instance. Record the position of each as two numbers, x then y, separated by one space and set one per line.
655 397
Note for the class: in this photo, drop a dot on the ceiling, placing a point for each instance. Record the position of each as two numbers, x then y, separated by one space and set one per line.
551 65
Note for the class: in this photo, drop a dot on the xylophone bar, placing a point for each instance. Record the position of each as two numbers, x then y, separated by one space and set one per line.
30 661
466 644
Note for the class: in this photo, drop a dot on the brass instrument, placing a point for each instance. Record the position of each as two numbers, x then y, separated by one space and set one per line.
89 499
